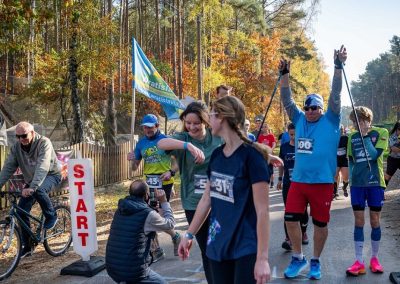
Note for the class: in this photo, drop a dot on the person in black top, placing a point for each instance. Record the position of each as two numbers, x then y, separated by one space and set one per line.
342 165
287 154
236 197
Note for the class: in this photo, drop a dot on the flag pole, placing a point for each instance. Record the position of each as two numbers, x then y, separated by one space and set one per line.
133 116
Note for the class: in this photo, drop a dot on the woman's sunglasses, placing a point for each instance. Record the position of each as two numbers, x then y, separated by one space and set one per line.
306 108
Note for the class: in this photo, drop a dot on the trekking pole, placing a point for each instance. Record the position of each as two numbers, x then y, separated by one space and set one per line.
269 105
357 121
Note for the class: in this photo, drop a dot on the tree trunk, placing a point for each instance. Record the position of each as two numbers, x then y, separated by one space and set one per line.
111 123
56 25
31 55
6 75
158 31
174 63
127 41
164 33
180 50
140 25
121 36
77 135
199 62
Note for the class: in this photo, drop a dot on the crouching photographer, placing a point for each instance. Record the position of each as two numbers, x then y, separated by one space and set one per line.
133 227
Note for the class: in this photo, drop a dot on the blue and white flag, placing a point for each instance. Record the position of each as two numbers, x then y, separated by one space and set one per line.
148 82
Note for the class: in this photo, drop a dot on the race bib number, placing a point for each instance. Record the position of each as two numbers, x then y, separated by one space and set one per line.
154 181
200 182
221 186
341 151
305 145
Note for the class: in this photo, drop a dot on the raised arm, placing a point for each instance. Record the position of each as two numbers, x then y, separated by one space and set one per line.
174 144
286 93
334 103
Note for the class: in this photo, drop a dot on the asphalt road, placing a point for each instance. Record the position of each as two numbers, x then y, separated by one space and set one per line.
337 256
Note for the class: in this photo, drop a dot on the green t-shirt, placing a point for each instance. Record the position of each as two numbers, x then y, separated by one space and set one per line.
188 169
359 173
156 161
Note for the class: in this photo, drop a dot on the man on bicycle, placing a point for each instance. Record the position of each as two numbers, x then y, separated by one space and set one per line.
35 156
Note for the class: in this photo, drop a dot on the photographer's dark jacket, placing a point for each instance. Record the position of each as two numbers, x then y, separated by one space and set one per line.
128 246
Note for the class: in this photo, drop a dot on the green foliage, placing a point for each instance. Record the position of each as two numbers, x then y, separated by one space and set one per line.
242 42
378 87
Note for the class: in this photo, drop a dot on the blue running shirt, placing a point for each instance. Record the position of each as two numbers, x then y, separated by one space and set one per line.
233 220
316 147
316 142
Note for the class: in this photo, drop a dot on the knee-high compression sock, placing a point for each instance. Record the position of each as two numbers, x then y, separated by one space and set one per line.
375 240
335 187
359 242
387 182
345 184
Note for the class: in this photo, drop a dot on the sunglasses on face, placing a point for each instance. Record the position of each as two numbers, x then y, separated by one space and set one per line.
23 136
306 108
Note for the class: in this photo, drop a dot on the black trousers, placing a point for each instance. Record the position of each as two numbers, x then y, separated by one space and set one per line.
201 238
235 271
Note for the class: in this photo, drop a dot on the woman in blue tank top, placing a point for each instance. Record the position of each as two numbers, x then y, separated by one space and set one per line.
237 195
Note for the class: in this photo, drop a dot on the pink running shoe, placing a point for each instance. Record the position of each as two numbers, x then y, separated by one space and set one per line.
356 269
375 266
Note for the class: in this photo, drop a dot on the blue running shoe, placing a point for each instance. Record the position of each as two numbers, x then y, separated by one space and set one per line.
295 267
315 270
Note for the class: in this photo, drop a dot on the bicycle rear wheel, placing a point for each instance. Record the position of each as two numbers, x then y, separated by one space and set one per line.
10 248
58 240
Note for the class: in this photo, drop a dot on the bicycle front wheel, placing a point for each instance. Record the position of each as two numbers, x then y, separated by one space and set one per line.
58 240
10 248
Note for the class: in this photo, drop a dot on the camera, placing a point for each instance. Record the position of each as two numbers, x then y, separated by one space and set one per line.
153 202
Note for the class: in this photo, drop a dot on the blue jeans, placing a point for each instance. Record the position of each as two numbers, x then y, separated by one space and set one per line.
152 278
41 195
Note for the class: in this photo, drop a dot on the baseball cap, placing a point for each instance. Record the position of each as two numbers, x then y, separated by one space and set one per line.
314 100
259 118
149 120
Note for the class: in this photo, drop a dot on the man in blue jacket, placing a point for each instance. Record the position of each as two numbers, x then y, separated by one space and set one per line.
134 225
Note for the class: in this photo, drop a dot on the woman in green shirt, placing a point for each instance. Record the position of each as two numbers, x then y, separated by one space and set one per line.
188 147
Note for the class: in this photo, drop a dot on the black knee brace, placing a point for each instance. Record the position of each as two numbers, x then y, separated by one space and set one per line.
293 217
319 224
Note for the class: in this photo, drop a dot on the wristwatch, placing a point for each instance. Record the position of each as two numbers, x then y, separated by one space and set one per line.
172 172
280 178
189 236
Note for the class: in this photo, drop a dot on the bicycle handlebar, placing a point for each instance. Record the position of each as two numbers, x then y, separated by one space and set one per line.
10 192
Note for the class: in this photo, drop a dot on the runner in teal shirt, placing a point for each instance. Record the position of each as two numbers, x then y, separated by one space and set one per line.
188 148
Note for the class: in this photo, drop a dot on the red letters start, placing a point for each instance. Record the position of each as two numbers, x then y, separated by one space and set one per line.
81 209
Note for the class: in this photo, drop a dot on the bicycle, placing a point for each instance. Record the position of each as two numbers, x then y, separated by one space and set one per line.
55 241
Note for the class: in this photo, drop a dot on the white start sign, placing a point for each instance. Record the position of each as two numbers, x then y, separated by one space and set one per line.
83 214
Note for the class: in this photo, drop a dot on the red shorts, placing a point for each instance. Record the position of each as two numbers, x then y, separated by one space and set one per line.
318 195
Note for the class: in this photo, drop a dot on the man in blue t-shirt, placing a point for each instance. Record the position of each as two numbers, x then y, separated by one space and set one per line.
316 141
157 168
